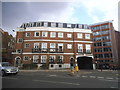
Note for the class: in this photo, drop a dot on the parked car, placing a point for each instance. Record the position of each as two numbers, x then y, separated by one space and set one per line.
6 68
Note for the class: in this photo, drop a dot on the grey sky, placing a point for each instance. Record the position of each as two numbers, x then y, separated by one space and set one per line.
78 11
16 13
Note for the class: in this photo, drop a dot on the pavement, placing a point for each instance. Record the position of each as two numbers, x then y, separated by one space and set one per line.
63 70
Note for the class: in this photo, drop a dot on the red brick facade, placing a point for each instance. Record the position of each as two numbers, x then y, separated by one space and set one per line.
54 49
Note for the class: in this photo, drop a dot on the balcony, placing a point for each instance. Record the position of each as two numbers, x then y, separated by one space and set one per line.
36 50
84 51
45 50
52 50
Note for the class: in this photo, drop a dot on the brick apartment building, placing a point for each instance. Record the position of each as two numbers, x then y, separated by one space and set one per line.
54 44
105 44
7 45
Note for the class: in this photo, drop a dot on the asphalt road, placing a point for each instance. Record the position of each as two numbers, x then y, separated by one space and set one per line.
62 79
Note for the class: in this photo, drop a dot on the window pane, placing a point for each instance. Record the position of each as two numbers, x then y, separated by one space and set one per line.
79 35
69 46
53 34
44 34
44 45
60 35
69 35
87 36
52 45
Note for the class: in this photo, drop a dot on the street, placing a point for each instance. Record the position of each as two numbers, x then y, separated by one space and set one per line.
62 79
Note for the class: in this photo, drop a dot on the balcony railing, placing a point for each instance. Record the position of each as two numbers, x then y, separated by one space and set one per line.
56 61
45 50
84 51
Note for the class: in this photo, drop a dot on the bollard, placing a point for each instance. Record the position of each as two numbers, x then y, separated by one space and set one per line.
77 69
72 69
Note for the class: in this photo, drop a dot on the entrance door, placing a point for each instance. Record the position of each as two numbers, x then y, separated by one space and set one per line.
17 61
85 62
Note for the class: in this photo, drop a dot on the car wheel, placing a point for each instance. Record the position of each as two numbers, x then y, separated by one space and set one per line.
3 73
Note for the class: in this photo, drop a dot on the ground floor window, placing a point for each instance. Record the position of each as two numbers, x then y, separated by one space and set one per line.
35 58
26 58
43 59
52 59
60 59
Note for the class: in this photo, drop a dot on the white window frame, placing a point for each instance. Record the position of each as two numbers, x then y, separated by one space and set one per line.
36 45
52 34
52 45
19 40
60 34
28 34
61 57
61 44
88 47
69 46
25 57
44 34
35 58
45 24
60 25
43 58
53 24
43 45
52 56
80 47
79 35
35 34
69 35
26 45
86 36
68 25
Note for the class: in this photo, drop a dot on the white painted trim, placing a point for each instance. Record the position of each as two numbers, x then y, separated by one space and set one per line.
17 57
47 53
56 29
57 40
83 56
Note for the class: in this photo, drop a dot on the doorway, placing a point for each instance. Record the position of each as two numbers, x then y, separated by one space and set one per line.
17 61
85 62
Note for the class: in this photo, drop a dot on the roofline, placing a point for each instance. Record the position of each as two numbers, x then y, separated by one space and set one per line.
110 21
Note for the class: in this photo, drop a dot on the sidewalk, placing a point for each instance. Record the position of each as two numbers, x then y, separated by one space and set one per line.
65 70
35 70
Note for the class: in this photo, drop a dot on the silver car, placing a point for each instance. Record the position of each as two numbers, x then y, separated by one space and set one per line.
6 68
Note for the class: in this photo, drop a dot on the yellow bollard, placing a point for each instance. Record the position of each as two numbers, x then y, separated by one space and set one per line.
72 69
76 68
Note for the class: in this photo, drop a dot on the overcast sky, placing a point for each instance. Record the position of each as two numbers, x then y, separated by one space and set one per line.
78 11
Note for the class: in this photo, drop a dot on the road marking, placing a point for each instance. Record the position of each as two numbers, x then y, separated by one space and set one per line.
84 76
92 77
52 75
100 77
57 82
109 78
9 78
113 87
